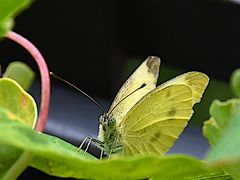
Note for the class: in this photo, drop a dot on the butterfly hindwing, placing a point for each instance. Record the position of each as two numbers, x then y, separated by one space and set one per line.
197 81
156 121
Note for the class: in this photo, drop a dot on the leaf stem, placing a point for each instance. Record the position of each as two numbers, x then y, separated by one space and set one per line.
45 80
19 166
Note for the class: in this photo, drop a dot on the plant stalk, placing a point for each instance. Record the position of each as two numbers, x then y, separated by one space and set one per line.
19 166
45 80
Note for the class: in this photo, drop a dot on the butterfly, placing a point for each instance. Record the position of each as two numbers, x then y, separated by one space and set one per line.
145 119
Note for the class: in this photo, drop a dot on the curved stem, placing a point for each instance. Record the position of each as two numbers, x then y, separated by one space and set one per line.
45 80
19 166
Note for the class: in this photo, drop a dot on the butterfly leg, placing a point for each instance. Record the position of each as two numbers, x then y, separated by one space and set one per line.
98 143
109 156
101 155
89 142
85 139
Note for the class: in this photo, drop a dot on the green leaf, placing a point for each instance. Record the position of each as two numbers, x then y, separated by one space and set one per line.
21 73
216 174
136 167
222 131
22 138
221 113
8 10
20 105
235 82
60 158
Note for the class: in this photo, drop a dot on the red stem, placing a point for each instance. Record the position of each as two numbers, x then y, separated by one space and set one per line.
45 80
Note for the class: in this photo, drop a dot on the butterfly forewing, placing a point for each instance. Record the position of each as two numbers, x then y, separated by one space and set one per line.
156 121
146 73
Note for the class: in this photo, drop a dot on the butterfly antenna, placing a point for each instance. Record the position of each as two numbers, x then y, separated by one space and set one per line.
142 86
81 91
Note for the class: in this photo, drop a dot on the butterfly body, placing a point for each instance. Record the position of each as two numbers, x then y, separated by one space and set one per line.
149 120
111 142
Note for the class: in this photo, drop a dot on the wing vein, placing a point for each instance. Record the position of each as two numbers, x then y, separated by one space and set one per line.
159 119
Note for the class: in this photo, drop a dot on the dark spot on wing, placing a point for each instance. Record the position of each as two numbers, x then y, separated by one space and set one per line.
172 112
153 64
168 93
155 136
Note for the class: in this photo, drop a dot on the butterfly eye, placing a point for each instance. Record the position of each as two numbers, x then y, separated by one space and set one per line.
112 122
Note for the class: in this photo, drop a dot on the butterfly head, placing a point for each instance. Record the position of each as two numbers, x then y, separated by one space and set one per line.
107 121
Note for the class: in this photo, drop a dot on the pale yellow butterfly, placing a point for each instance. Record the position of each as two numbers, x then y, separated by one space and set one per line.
145 119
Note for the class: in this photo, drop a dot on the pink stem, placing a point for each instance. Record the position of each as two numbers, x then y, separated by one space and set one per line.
45 80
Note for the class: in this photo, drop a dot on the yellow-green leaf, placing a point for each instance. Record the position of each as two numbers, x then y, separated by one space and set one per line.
19 104
16 105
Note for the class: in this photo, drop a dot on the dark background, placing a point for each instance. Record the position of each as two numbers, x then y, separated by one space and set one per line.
88 42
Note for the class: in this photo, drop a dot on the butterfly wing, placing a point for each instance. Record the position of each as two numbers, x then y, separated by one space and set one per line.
146 73
157 120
